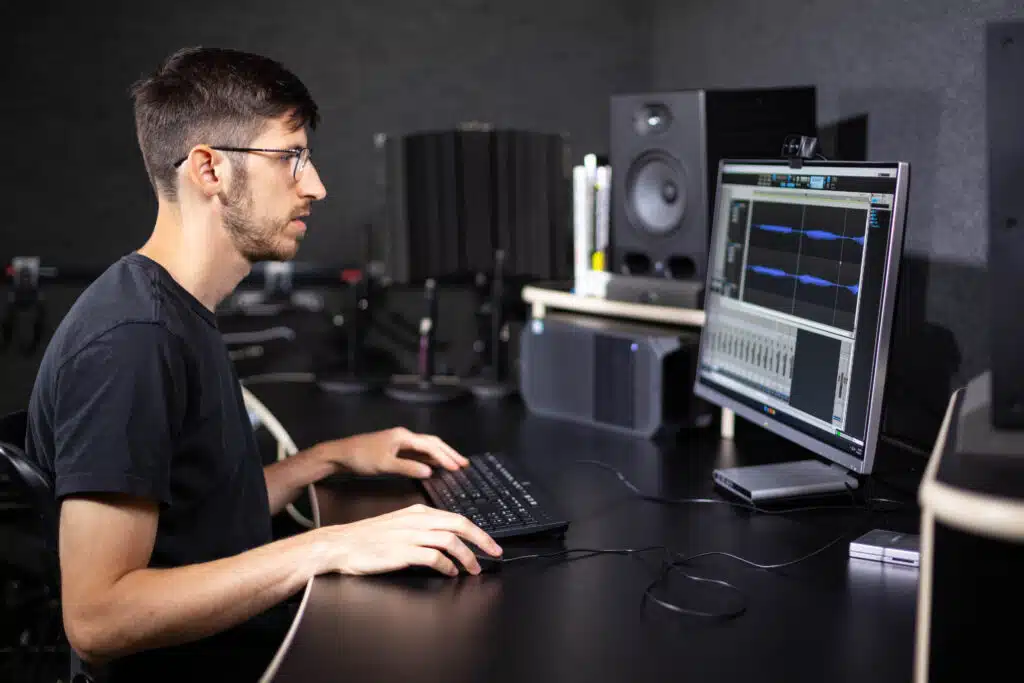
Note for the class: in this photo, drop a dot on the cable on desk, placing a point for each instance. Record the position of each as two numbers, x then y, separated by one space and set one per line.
743 506
673 562
663 573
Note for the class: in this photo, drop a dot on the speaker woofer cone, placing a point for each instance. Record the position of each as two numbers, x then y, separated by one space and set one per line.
656 193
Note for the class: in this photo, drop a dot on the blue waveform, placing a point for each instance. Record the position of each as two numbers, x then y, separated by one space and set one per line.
812 234
804 279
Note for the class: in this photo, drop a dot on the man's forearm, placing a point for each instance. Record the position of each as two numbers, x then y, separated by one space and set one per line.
149 608
286 478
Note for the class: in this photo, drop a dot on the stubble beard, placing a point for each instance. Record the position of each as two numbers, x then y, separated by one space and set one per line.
256 238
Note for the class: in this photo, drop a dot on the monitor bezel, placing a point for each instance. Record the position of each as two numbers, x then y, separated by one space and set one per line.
894 254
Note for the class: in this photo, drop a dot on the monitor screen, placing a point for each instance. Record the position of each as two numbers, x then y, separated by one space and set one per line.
800 292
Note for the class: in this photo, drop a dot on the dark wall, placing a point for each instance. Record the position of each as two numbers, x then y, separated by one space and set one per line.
79 191
916 71
74 186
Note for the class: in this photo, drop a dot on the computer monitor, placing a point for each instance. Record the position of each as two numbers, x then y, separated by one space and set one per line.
799 302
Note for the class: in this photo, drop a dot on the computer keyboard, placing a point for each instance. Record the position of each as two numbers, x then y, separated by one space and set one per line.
497 495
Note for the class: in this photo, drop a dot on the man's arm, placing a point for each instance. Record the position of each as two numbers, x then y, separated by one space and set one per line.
114 604
287 478
363 454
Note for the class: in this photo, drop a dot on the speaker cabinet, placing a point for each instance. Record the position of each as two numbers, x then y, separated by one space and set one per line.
629 378
1004 49
665 149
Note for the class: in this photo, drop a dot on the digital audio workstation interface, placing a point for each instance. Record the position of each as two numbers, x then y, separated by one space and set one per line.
797 271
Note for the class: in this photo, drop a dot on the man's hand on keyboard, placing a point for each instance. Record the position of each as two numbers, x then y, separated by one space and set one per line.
378 453
414 536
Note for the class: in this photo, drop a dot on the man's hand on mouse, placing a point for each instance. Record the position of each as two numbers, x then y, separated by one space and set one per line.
378 453
414 536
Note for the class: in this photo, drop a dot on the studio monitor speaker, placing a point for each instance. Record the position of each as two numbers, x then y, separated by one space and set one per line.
665 149
622 376
1004 47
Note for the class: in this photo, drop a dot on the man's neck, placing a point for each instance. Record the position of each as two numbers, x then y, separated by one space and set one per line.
200 258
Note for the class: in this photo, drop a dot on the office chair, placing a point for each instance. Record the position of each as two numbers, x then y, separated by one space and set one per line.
37 488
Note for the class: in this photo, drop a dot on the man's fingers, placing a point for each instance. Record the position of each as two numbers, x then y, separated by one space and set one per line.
432 557
412 468
454 454
434 446
450 543
438 451
429 518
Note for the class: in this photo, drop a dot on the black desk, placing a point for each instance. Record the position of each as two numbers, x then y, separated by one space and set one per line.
821 620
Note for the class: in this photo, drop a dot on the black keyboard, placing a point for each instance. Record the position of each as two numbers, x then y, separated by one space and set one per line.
495 494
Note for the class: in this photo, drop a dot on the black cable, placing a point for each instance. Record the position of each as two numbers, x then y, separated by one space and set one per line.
788 563
672 562
674 566
717 501
758 565
663 573
672 607
590 553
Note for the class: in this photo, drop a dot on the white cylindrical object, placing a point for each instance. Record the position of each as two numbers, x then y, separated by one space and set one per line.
583 231
602 212
728 427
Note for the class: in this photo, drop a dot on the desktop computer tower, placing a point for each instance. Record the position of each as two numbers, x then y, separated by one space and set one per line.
665 149
626 377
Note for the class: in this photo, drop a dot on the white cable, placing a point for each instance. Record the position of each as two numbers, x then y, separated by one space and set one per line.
285 446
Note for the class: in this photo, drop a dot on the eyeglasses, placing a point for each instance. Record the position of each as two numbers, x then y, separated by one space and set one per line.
301 154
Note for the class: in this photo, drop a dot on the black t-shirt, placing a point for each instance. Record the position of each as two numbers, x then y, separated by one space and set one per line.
136 394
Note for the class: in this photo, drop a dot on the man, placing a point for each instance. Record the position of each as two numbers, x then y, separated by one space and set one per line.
137 414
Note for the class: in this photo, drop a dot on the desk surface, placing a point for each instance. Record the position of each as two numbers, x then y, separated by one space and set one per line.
827 619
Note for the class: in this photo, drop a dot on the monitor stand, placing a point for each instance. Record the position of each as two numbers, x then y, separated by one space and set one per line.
783 480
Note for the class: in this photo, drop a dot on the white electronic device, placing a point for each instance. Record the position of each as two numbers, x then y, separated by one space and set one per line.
891 547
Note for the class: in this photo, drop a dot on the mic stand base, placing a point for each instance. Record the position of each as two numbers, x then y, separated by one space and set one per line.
424 392
490 389
347 382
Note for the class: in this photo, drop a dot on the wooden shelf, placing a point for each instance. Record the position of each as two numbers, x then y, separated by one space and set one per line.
542 298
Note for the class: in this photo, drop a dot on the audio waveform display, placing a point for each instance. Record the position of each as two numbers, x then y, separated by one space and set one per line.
812 234
804 278
806 256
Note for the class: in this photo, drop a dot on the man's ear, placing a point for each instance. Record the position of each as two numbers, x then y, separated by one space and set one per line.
208 170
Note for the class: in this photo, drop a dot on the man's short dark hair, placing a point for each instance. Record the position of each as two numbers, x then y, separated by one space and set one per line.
213 96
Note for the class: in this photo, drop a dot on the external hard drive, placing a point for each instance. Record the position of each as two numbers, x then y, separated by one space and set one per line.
891 547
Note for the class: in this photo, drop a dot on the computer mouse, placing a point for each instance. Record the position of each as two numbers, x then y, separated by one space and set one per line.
488 563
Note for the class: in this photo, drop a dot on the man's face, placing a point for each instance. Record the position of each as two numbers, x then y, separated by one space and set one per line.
265 204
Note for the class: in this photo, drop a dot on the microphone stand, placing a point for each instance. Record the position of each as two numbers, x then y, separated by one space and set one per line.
352 379
425 388
492 383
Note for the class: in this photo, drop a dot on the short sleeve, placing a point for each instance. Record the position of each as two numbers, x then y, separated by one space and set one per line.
119 405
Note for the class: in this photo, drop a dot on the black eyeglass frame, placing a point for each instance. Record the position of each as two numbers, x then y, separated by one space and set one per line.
297 152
